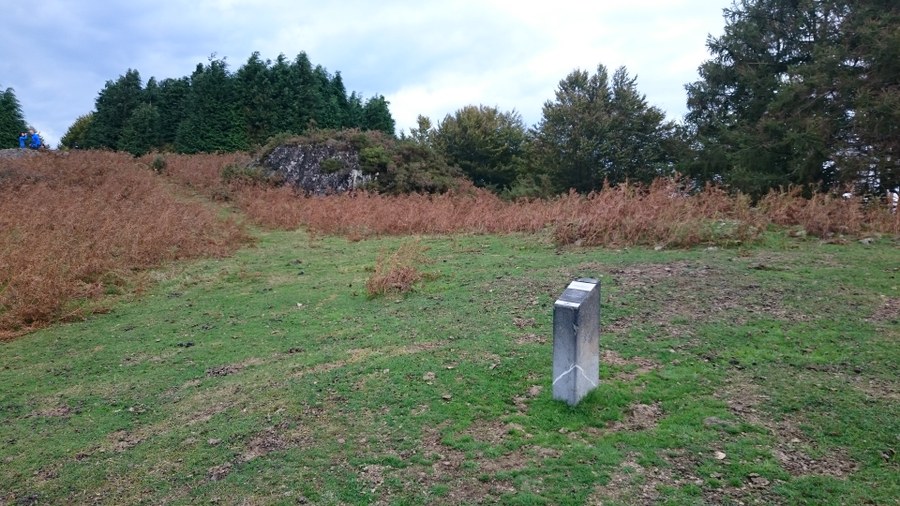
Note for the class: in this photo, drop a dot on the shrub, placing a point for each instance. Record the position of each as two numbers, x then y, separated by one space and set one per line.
398 272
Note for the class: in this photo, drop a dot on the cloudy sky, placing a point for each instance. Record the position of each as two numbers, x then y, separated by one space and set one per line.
426 57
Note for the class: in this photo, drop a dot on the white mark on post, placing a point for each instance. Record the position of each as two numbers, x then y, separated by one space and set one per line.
580 370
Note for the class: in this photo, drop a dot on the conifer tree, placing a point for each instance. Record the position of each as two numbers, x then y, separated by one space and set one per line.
12 121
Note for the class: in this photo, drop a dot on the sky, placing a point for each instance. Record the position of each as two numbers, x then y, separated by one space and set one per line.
425 57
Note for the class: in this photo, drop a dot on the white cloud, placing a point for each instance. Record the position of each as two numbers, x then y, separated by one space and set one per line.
425 58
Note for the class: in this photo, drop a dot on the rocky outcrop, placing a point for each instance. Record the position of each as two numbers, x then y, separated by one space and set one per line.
317 169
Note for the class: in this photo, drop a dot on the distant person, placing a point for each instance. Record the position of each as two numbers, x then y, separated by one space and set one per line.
23 139
35 140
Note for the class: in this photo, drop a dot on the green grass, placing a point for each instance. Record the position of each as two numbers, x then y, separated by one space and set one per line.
272 378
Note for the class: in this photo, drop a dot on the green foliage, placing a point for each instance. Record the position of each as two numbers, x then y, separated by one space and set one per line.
253 175
800 92
12 121
114 106
159 164
374 159
218 110
400 166
598 131
487 144
377 116
212 118
331 165
76 136
142 130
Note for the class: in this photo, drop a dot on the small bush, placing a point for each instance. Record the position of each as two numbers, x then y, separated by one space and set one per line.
158 164
398 272
331 165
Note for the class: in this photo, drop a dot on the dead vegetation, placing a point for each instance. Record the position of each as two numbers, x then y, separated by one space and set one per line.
74 226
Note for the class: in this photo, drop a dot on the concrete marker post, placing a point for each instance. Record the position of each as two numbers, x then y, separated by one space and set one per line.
576 341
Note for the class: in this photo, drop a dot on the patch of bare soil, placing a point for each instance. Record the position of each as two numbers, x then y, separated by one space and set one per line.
266 441
229 369
61 411
634 484
888 313
531 338
642 365
705 294
521 401
639 417
447 468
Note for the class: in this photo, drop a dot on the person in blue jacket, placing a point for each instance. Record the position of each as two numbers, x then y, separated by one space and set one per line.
23 138
35 140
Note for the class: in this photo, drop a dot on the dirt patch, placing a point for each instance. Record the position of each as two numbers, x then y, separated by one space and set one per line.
62 411
521 401
639 417
836 464
888 313
491 432
706 294
122 440
638 485
531 338
264 442
226 370
373 476
448 469
641 365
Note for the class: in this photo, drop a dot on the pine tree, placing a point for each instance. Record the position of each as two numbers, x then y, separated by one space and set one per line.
255 95
141 132
799 92
114 105
377 116
212 120
12 121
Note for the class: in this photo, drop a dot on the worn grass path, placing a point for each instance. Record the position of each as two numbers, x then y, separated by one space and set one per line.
763 375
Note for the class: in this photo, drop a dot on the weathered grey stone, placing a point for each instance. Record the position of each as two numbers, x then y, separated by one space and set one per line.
576 341
305 167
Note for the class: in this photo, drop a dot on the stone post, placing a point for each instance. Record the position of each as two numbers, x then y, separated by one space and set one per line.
576 341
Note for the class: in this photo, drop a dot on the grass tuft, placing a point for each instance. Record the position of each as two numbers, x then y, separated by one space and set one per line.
399 271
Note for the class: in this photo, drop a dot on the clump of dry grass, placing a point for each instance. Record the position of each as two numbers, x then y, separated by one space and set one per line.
399 271
74 226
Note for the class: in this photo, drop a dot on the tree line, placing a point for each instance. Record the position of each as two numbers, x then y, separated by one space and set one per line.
796 92
217 110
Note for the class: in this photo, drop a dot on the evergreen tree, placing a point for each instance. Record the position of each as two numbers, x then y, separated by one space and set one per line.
114 105
142 130
594 132
485 143
172 106
255 94
377 116
212 118
12 121
799 92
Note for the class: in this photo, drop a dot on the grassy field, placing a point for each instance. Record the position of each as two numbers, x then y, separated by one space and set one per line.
765 374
